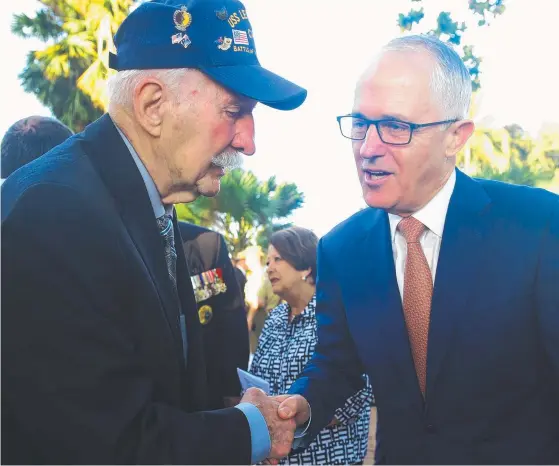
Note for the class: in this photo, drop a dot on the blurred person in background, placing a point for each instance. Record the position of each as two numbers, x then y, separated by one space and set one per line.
257 315
28 139
288 341
241 271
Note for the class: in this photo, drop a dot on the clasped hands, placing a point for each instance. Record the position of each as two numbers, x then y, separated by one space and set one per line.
283 414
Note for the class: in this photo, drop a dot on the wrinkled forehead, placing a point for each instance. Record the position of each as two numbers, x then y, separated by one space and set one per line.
396 82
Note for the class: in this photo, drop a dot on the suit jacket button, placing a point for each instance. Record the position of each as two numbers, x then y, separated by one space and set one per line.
430 429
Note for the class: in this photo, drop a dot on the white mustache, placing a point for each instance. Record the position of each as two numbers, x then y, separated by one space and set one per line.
228 159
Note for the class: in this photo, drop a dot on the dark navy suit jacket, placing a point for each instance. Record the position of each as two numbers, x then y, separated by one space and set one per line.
225 335
93 368
492 391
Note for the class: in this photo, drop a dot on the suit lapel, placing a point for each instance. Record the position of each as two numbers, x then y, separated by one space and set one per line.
461 256
379 323
119 172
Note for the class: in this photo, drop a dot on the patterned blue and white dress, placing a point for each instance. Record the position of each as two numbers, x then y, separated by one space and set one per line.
283 350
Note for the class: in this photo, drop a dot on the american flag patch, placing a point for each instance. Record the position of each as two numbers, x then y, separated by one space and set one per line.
240 37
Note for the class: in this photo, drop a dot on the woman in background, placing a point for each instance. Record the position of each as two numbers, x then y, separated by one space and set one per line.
288 340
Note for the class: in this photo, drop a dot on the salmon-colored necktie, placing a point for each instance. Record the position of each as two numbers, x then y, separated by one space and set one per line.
418 292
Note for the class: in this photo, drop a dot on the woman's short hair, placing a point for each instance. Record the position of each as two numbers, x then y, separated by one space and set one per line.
297 246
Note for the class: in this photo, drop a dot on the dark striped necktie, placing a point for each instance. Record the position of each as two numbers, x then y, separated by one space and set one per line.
165 224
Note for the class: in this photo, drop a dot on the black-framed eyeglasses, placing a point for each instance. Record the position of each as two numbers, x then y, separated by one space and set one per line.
394 132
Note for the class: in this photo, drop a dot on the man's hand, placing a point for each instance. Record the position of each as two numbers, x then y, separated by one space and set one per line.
281 430
294 407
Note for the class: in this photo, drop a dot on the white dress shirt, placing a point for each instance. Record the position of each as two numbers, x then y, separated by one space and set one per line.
433 216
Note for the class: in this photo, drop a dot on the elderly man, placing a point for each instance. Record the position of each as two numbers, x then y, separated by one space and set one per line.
465 371
102 359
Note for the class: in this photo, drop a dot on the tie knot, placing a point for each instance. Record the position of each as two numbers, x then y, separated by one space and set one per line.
411 229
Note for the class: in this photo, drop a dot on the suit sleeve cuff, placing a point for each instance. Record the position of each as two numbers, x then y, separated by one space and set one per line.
259 435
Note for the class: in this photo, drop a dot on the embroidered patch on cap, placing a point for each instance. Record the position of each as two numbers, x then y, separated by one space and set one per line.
221 13
182 18
240 37
224 43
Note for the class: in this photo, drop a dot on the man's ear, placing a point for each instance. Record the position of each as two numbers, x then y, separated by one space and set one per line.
458 135
149 105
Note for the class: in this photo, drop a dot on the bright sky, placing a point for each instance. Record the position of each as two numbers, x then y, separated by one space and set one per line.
325 48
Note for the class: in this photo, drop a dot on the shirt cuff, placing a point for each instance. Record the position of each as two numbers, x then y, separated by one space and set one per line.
259 435
300 432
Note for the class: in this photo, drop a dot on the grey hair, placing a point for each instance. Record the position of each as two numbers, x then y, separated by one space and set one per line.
450 83
120 86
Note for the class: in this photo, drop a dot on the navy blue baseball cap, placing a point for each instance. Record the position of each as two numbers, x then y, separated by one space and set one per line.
213 36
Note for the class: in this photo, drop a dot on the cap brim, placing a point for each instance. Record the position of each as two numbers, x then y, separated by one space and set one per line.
259 84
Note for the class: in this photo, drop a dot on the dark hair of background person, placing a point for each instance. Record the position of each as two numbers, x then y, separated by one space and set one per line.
28 139
297 246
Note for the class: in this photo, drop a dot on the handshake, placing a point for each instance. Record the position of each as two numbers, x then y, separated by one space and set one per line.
283 414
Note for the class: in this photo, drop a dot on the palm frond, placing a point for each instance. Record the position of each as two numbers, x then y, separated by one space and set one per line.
246 210
43 26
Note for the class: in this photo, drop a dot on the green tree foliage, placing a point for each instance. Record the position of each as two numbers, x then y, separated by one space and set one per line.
509 154
549 137
69 74
246 211
506 154
451 31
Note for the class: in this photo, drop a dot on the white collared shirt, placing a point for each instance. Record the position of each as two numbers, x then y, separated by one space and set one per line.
433 216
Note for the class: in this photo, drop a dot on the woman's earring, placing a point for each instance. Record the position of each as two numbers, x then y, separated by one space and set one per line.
304 278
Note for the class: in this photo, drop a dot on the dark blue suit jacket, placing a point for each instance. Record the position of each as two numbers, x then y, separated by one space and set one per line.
225 335
93 369
493 353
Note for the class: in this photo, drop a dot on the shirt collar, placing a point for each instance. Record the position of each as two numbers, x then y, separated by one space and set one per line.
308 312
158 208
432 214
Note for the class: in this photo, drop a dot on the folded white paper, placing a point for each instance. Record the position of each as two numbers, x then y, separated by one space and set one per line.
248 380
